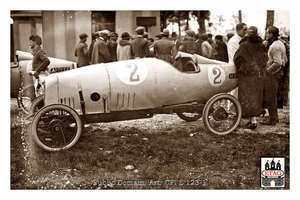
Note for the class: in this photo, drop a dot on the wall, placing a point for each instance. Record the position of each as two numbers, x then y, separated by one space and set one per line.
61 32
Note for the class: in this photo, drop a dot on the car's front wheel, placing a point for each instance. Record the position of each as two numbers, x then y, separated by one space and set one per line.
56 127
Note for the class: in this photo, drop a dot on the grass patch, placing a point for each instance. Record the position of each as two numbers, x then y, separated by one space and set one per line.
163 152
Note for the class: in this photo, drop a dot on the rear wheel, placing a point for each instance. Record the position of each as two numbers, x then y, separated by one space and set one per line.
56 127
25 97
189 116
36 105
222 114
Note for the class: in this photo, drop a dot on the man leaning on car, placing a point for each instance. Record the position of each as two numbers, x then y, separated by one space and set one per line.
40 60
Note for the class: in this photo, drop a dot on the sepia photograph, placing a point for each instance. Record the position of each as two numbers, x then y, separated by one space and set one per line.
190 99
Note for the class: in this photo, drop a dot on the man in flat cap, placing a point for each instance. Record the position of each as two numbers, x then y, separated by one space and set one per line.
100 52
165 48
82 52
112 45
140 46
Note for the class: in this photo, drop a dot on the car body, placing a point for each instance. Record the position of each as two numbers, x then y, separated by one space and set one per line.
19 70
137 88
21 81
139 84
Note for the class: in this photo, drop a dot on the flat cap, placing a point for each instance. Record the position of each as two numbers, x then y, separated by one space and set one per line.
140 30
104 32
83 35
113 34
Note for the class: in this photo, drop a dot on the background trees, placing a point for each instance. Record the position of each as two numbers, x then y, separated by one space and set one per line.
183 19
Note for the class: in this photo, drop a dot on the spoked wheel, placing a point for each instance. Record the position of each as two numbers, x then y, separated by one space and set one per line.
222 114
36 105
56 127
189 116
25 97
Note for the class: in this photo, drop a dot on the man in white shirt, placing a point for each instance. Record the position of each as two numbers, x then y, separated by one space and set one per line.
233 45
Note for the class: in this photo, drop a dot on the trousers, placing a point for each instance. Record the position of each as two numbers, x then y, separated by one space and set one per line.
271 82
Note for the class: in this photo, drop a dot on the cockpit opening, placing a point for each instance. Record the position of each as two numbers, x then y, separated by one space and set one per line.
186 64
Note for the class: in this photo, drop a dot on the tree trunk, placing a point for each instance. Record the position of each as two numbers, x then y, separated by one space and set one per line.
201 22
270 18
240 16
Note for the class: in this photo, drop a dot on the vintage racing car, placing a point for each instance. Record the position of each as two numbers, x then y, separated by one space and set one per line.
193 87
22 86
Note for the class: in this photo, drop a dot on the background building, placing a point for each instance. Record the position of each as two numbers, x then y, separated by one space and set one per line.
60 30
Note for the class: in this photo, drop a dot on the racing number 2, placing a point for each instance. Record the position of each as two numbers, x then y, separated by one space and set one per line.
133 76
217 72
216 76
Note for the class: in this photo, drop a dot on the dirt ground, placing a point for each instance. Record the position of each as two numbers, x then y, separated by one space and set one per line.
126 137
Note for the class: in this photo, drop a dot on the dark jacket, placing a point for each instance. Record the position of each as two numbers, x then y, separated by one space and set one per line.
165 49
251 56
222 53
82 54
191 47
40 60
112 47
140 48
100 52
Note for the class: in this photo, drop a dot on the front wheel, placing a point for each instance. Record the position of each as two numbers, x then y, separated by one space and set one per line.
222 114
56 127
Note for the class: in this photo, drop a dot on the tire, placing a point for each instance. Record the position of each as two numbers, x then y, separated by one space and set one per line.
56 127
25 97
189 117
222 114
36 105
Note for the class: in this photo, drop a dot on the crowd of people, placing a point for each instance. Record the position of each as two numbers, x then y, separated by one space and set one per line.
262 64
105 46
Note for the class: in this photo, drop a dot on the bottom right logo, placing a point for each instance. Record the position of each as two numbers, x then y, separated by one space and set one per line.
272 172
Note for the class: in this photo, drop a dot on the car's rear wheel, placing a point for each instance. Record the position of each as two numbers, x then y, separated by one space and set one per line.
189 116
56 127
36 105
25 97
222 114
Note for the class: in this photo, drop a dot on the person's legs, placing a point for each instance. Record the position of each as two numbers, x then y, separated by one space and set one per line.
271 87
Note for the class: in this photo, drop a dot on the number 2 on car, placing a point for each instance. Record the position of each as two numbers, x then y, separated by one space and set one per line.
216 76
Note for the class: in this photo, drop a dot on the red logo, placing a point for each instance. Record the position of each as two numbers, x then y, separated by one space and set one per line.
272 173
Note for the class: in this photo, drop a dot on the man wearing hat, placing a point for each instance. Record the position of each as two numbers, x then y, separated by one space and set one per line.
190 45
100 52
139 46
40 61
164 48
112 45
82 52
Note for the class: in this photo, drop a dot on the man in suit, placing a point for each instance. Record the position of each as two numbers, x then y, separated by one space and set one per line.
100 51
140 46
